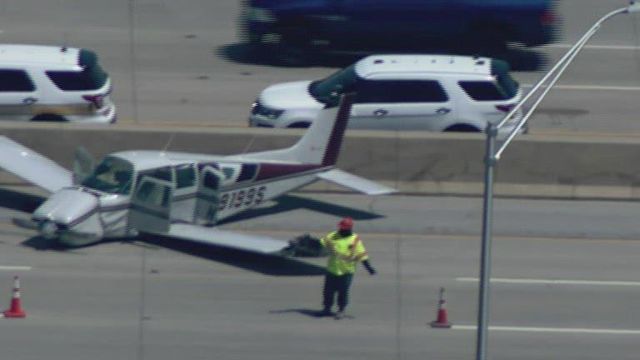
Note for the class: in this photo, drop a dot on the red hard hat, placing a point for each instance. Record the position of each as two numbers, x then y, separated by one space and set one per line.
345 224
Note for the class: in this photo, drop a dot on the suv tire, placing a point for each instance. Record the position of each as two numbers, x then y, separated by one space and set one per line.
299 125
462 128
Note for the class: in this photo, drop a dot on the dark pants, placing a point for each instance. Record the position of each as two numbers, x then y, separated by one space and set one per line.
336 284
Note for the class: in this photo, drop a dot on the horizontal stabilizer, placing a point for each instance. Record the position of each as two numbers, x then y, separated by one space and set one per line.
214 236
355 182
32 167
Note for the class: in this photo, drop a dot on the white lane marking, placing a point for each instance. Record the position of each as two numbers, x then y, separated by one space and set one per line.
591 87
596 47
552 330
552 282
15 268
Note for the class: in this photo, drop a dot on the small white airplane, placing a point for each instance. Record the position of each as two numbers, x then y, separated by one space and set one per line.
176 194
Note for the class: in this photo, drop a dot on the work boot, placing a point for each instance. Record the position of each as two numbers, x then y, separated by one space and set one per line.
340 315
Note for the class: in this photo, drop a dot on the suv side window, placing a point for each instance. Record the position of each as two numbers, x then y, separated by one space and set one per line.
13 80
400 91
76 80
483 90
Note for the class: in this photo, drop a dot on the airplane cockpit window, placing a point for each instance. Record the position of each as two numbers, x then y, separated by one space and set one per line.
163 173
113 175
185 176
211 181
228 172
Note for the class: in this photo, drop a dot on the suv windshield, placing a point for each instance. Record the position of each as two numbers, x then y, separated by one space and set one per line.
113 175
326 90
92 77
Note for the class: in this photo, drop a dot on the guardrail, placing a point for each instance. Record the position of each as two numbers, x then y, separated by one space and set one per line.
414 162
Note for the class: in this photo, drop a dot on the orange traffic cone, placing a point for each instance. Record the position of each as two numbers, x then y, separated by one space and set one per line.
15 311
442 321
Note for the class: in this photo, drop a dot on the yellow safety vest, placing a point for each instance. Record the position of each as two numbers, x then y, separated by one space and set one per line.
344 253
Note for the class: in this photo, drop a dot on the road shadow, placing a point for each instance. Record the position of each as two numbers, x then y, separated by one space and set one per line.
41 243
265 264
313 313
287 203
519 58
20 201
317 314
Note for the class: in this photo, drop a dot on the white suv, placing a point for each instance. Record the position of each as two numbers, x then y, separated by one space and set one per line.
400 92
52 83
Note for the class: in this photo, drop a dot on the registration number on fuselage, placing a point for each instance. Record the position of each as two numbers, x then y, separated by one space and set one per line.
241 198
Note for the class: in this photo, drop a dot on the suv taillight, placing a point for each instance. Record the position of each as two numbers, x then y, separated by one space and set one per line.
96 100
505 108
547 18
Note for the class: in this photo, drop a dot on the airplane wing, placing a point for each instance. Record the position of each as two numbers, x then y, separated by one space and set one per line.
355 182
32 167
214 236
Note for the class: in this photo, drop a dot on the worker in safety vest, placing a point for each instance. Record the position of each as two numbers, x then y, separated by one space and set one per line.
345 251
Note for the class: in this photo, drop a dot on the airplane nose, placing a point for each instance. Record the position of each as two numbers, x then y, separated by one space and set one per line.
48 229
64 208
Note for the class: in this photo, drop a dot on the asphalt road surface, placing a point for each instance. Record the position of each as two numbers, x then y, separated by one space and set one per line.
565 272
181 63
565 286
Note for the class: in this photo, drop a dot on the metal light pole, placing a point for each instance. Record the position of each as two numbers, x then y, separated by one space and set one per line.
492 156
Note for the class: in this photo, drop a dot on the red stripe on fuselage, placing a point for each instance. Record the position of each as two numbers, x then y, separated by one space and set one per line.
270 171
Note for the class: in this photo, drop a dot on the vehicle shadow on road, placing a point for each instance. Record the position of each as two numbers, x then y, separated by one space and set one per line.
287 203
519 58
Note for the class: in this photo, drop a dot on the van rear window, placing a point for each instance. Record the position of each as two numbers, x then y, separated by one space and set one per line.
483 91
92 77
500 70
503 88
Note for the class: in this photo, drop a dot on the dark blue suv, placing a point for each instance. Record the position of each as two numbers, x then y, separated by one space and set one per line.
373 25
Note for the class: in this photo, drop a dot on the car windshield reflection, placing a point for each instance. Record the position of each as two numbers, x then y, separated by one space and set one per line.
113 176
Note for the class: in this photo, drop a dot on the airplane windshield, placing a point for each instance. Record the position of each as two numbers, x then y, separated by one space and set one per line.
113 175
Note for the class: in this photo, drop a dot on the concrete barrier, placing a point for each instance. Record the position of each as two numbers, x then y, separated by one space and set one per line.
426 163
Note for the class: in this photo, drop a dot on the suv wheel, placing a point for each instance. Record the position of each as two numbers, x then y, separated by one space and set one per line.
299 125
49 118
462 128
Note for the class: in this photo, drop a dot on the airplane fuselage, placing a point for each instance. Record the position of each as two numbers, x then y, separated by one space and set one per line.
201 192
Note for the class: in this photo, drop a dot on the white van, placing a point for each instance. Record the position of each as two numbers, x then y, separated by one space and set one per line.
401 92
50 83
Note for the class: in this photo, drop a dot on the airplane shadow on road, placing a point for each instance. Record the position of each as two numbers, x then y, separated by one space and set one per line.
287 203
518 57
20 201
265 264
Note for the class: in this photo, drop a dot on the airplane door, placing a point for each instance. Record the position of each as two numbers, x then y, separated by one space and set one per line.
207 196
83 165
151 205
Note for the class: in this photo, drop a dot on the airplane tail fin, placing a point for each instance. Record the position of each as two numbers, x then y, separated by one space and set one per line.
321 143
